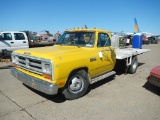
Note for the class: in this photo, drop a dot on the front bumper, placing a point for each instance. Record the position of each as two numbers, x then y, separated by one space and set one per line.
37 84
154 80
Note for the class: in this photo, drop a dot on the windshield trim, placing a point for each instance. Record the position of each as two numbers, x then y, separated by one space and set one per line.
77 38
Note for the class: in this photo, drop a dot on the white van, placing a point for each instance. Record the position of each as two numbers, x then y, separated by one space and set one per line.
10 41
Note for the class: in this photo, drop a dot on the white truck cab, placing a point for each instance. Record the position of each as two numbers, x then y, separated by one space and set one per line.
12 40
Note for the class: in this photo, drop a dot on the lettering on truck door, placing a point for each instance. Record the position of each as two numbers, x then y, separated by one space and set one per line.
105 54
6 41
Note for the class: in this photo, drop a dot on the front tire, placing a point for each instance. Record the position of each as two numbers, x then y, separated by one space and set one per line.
133 66
77 85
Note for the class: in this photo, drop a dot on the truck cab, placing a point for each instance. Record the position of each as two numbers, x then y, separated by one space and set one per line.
10 41
96 45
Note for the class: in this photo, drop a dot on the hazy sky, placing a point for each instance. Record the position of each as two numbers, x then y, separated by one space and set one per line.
57 15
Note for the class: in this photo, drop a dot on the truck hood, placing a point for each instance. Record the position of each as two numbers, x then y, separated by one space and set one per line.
49 52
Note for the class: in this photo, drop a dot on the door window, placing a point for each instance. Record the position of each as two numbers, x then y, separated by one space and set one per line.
6 36
19 36
103 40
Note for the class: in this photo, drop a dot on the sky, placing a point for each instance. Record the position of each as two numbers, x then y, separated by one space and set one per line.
59 15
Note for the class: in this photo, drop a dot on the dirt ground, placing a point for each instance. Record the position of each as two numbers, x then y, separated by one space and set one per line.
123 97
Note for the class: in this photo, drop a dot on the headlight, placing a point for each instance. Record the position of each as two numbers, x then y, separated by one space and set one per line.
46 68
14 59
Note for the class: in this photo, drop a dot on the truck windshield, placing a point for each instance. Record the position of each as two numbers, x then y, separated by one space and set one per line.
84 39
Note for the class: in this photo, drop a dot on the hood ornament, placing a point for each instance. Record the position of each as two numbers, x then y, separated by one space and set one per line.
27 53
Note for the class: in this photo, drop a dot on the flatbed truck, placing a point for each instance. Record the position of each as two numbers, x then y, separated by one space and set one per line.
80 57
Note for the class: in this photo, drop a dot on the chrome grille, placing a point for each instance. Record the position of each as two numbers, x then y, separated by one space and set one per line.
30 64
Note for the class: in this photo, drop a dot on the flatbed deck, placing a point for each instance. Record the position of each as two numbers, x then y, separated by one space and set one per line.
129 52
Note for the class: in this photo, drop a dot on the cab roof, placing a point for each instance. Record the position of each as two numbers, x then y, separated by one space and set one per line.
87 30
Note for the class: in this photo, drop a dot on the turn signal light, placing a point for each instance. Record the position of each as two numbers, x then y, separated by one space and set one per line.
14 65
47 76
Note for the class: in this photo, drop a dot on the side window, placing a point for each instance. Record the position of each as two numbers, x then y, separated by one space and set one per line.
1 38
103 40
6 36
19 36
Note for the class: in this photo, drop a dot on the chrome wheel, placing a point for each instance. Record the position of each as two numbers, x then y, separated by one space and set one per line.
76 84
135 66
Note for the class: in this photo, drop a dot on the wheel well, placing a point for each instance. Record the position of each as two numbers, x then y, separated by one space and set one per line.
75 70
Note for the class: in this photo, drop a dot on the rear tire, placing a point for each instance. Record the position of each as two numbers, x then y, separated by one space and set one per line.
77 85
133 67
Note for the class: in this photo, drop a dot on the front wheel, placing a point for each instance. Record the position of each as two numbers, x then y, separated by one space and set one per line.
76 85
133 66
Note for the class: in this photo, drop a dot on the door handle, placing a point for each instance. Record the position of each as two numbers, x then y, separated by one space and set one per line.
12 42
24 41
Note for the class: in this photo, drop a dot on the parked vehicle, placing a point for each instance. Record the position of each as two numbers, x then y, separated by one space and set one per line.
153 39
10 41
80 57
154 77
13 40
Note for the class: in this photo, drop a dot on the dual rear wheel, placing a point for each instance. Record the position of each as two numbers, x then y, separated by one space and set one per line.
133 67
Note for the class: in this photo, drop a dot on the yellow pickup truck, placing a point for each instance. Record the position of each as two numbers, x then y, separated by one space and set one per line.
79 58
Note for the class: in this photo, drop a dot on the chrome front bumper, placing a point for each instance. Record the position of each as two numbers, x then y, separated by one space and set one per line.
37 84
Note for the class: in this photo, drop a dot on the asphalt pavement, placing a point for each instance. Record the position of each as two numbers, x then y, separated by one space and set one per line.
123 97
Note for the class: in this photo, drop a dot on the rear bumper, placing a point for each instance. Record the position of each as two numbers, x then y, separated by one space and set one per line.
37 84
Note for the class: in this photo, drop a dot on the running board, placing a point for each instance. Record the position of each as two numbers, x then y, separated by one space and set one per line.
101 77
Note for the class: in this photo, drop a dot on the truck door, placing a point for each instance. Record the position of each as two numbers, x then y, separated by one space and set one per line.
21 40
105 54
6 41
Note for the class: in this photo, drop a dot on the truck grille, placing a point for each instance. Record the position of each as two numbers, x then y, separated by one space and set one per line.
154 80
30 64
